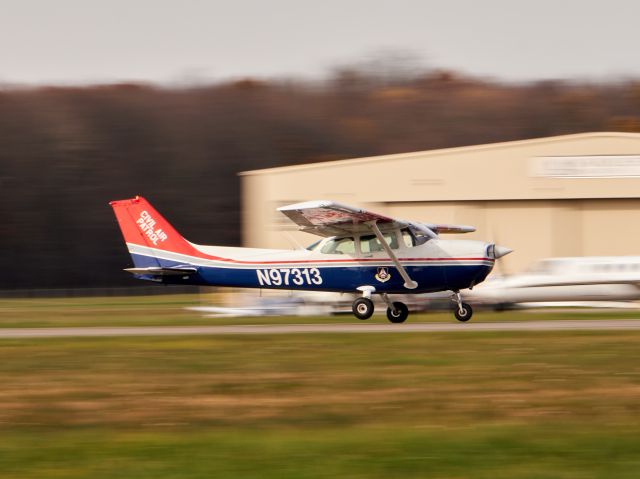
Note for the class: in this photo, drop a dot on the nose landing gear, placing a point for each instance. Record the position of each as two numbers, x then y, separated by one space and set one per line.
463 311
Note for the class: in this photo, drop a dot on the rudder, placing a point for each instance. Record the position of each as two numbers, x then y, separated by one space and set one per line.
142 226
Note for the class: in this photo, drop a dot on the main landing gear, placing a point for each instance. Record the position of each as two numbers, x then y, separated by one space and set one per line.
362 308
397 312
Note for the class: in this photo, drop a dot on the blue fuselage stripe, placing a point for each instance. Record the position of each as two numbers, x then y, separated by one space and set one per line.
430 277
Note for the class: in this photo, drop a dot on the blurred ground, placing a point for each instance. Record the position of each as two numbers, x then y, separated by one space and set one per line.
479 405
170 310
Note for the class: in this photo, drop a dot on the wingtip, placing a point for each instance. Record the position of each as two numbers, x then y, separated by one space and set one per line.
306 204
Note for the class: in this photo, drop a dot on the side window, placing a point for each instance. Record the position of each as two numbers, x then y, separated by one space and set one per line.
370 244
339 246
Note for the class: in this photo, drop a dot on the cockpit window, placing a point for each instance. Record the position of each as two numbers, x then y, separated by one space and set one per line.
339 246
544 266
370 244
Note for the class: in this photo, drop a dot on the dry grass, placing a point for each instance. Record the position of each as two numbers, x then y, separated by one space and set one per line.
231 381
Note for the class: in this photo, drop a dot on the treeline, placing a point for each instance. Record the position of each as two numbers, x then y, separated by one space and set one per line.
66 152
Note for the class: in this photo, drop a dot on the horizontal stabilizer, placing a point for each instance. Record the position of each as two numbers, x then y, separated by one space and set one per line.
156 271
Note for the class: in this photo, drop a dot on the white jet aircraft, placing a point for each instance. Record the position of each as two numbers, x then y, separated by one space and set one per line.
582 281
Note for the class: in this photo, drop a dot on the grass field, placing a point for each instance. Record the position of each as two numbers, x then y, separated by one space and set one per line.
478 405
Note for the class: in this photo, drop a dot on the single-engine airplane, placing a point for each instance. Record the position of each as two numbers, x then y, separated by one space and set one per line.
361 252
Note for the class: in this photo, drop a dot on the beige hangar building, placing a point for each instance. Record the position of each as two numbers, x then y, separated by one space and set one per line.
573 195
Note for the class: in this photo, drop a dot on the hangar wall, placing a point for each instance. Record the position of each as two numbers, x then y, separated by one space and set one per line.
585 202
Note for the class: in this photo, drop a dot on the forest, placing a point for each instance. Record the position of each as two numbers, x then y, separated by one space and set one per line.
65 152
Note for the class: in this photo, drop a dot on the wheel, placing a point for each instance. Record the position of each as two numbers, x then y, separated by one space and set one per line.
465 314
398 314
362 308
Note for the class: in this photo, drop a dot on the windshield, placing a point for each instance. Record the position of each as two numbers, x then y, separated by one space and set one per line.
544 266
418 236
313 246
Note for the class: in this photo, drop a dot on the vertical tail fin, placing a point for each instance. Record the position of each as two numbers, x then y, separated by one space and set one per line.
146 232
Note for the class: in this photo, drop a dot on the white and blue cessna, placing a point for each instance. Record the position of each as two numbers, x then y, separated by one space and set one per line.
361 252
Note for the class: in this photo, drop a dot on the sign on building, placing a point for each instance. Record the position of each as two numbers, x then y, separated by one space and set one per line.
602 166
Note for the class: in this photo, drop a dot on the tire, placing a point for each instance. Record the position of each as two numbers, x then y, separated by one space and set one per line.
362 308
399 315
466 313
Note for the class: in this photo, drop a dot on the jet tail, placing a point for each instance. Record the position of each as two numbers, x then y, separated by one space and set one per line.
148 235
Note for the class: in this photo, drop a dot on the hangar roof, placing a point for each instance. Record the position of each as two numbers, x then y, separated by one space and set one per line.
445 151
584 165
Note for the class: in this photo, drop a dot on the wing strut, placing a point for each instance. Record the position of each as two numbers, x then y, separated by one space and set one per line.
408 282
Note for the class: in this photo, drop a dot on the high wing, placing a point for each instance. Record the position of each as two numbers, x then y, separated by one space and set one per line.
329 218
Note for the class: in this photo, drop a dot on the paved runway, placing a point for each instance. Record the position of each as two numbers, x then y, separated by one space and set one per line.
565 325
